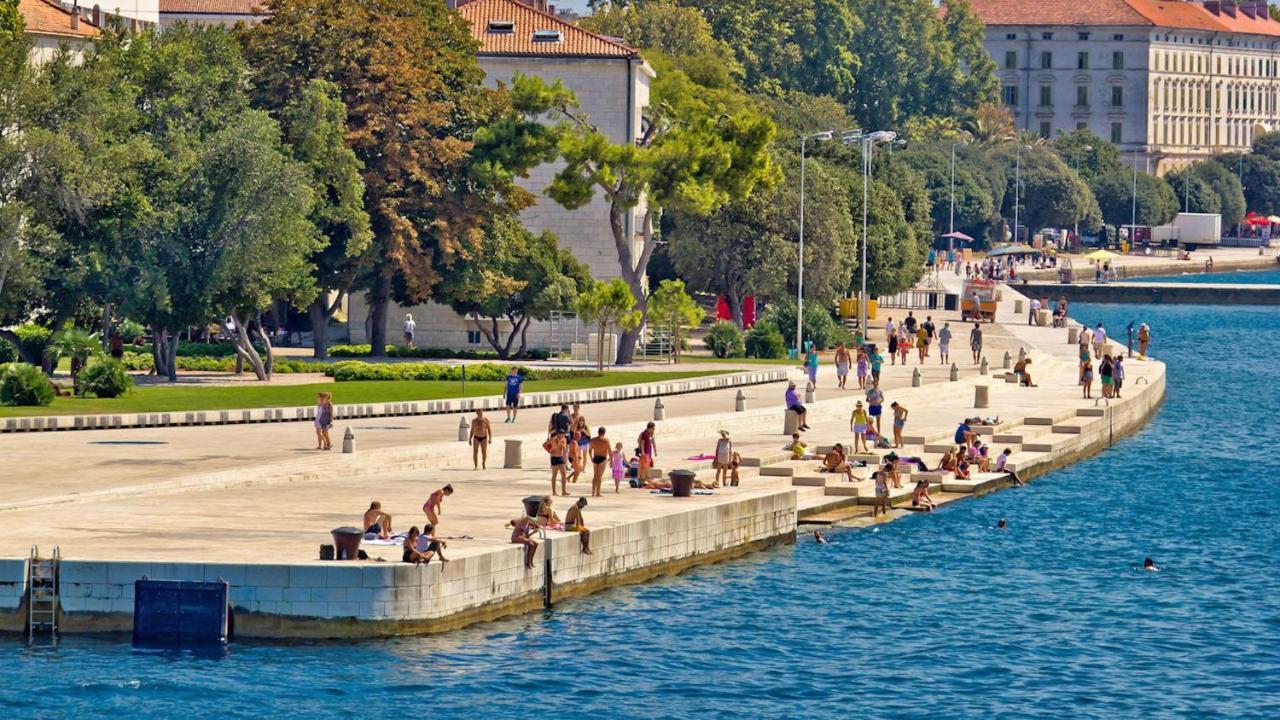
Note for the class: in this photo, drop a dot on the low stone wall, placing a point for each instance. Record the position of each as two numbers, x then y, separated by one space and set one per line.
427 407
1156 293
336 599
1082 270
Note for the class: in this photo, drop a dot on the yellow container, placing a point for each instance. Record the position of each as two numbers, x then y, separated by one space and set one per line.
849 308
872 307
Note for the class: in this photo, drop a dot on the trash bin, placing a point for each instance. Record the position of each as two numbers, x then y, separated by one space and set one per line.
681 482
531 505
346 542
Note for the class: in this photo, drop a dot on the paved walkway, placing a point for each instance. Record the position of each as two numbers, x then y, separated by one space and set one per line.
226 493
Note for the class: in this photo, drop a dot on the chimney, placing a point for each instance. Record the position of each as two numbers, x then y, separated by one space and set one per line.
75 19
1213 6
97 15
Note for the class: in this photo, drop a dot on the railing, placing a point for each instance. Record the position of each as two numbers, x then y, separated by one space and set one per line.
914 300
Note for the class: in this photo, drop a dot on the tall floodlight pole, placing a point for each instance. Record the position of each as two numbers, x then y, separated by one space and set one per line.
1086 148
1133 219
1017 189
804 139
868 144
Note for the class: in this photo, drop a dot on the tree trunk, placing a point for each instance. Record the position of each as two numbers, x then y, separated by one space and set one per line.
321 314
245 350
524 337
600 347
12 337
173 357
380 300
269 364
106 326
735 307
164 353
632 272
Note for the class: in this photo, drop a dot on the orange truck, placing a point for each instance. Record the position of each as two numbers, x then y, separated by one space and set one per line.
978 301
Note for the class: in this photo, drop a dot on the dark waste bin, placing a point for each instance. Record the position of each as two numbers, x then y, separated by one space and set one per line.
531 505
681 482
951 302
346 542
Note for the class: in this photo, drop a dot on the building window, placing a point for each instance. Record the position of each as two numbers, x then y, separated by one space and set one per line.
1115 133
1117 97
1082 61
1117 60
1011 36
1083 35
1081 125
1120 36
1046 94
473 337
1046 36
1082 96
1045 131
1011 95
1046 61
1010 60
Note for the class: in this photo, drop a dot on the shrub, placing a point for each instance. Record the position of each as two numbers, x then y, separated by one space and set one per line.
724 340
8 353
400 351
765 341
132 330
23 384
820 327
353 370
33 339
104 378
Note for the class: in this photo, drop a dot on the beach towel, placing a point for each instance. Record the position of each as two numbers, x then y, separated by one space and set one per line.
371 539
702 457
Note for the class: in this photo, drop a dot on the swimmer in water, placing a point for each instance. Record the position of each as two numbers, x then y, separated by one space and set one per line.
819 538
1002 525
1150 565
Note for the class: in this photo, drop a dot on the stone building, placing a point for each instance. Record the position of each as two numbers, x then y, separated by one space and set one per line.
611 81
1170 80
210 12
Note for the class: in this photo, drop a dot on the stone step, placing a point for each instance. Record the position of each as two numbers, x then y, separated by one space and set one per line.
977 483
1073 426
843 489
1019 460
842 509
939 447
1020 434
765 459
808 480
1049 443
1091 411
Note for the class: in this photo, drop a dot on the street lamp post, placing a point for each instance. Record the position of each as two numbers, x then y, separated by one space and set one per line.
868 141
804 139
1017 188
951 226
1133 218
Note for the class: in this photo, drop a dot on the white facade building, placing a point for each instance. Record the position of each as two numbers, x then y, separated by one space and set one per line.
50 26
1173 81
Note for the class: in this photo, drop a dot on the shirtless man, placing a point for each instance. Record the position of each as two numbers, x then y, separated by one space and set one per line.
432 506
1022 373
556 447
835 462
573 522
376 521
843 361
600 450
479 437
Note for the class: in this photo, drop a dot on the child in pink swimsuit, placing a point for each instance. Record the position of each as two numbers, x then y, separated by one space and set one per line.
618 463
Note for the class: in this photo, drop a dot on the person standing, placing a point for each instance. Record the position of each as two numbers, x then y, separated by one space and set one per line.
882 493
560 421
515 384
410 329
877 361
556 447
811 365
893 346
1034 310
889 329
648 450
944 343
1117 375
479 439
899 422
922 343
863 365
875 404
618 464
1104 372
599 448
930 334
1144 339
975 343
324 420
435 505
842 365
1099 339
1086 378
724 458
858 423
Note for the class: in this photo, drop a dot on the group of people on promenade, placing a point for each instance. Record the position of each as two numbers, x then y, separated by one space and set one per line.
419 546
570 445
1110 369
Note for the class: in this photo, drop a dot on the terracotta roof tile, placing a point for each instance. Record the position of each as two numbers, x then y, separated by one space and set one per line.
525 21
1176 14
213 7
46 18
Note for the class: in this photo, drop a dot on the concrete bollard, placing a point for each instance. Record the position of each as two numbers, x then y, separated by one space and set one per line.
1008 360
791 422
984 368
955 372
659 410
464 429
980 396
915 377
348 442
1017 306
512 454
1022 354
740 402
1073 335
810 393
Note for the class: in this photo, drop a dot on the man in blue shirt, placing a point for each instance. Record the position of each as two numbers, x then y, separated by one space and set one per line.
964 434
515 383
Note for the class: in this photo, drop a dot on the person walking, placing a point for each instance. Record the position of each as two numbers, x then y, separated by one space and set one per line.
863 366
410 329
1099 339
515 384
842 360
922 343
811 365
648 449
944 343
930 334
893 344
478 437
1034 309
324 420
975 343
1117 375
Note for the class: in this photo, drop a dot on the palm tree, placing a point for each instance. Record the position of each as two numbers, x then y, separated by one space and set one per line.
991 124
72 342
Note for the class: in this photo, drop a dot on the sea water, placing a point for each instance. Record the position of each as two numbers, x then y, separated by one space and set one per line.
931 616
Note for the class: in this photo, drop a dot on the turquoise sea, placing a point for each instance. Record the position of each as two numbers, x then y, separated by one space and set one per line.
938 616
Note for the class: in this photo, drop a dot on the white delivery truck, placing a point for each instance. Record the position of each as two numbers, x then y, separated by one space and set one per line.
1191 230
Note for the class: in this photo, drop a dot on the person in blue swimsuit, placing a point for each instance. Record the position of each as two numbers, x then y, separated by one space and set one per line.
515 383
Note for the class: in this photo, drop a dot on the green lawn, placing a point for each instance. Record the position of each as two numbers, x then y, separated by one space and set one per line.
182 398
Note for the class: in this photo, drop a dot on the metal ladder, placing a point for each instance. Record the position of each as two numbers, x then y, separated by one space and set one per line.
42 593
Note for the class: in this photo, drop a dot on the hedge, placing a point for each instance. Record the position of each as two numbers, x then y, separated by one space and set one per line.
351 370
204 363
400 351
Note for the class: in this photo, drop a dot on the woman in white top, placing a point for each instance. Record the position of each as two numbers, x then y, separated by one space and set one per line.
724 458
409 328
